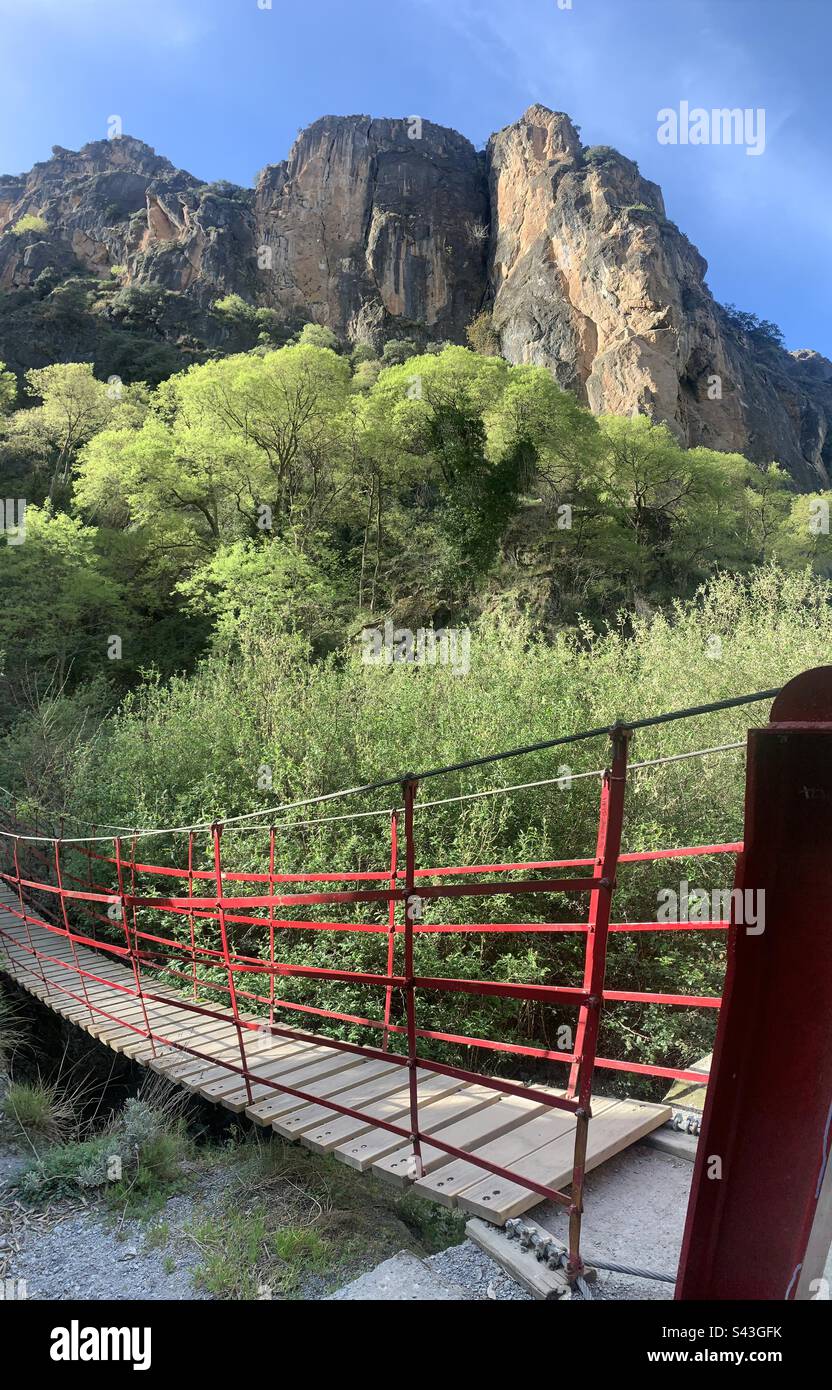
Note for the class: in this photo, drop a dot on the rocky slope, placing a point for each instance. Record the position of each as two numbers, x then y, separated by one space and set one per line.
386 228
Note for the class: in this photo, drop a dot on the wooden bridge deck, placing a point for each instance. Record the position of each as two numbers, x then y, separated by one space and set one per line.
532 1140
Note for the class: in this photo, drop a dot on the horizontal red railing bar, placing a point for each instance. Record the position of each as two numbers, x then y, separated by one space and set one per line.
381 875
522 885
365 895
244 919
60 892
669 926
633 857
544 994
496 1083
643 856
692 1001
242 876
647 1069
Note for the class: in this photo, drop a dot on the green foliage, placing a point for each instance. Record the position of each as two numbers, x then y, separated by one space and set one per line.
230 192
61 603
362 352
268 587
56 1172
8 389
138 1163
319 336
234 307
398 350
30 222
600 155
763 330
482 336
32 1107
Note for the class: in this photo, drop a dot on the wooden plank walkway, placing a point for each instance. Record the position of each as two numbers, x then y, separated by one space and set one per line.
511 1132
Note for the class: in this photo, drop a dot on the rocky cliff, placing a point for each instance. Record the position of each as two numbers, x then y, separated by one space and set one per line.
399 228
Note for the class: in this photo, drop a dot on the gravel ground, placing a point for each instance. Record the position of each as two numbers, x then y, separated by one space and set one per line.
83 1259
87 1256
477 1273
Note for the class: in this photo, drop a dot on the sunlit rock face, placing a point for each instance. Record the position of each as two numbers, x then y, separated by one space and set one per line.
400 228
588 277
376 225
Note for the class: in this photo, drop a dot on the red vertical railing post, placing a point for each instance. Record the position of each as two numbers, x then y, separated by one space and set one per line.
411 907
272 862
65 917
134 911
391 924
131 944
190 914
216 831
608 849
24 914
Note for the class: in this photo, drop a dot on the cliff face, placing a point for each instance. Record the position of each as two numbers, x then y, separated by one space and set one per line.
382 228
371 226
588 277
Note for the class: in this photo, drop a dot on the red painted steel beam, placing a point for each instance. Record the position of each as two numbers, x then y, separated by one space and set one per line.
764 1146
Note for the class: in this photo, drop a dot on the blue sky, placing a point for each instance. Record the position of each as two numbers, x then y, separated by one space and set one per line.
222 86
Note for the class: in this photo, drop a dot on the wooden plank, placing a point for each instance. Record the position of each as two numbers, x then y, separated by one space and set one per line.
234 1097
445 1184
263 1112
170 1057
399 1167
366 1094
336 1066
364 1145
232 1093
214 1048
182 1033
230 1051
618 1127
289 1052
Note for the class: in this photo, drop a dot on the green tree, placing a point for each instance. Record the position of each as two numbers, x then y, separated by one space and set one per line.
60 605
74 406
8 389
264 587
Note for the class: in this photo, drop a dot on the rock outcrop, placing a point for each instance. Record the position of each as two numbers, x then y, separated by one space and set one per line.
400 228
589 278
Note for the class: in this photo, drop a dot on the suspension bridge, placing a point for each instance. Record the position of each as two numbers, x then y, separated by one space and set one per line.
177 966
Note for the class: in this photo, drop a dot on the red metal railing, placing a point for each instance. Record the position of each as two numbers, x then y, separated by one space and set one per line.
407 886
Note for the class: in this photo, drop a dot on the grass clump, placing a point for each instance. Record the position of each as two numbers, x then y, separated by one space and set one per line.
137 1162
39 1110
